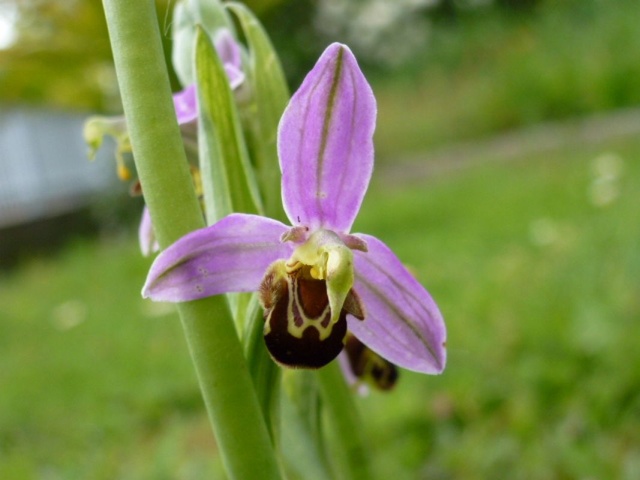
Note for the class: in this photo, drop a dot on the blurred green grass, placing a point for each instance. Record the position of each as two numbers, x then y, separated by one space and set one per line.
538 279
534 263
489 71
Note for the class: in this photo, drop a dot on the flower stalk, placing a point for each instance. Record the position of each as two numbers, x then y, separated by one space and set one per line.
164 174
344 418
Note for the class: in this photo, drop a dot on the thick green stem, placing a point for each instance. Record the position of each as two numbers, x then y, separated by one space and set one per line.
164 174
344 418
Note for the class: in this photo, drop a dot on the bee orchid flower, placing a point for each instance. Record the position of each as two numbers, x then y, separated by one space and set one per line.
315 279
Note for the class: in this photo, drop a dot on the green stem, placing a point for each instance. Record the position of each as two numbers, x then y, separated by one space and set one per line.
345 419
235 415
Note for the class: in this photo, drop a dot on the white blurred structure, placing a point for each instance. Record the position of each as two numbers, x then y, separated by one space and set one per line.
8 16
383 31
44 170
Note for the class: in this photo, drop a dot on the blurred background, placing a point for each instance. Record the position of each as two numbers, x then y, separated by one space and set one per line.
507 178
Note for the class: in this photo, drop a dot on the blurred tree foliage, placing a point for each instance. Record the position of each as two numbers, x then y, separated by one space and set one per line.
565 57
62 57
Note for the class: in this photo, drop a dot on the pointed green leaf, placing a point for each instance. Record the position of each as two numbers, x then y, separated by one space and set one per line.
228 181
271 95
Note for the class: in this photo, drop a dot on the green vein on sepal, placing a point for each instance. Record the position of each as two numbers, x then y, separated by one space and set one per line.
328 116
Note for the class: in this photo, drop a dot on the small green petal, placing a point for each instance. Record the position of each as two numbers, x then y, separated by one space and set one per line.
331 260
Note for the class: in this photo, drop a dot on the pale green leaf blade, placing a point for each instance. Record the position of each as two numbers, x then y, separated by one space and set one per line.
228 180
271 95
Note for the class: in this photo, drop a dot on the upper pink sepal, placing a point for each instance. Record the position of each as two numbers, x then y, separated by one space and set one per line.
325 143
